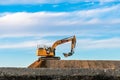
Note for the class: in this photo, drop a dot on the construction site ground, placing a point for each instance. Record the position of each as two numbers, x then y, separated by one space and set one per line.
65 70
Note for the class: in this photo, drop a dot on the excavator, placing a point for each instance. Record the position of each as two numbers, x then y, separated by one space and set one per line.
48 53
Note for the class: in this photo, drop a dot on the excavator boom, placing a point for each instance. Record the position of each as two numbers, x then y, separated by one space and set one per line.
73 44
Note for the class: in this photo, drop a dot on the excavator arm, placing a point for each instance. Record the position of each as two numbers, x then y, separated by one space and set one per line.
62 41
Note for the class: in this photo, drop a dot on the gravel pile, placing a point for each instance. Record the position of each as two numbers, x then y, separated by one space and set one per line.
58 74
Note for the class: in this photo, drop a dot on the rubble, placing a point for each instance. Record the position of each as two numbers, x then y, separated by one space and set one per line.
59 74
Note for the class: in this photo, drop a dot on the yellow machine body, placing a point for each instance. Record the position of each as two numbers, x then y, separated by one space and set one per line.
44 52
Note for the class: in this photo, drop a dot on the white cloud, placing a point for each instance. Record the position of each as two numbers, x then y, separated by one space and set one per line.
81 43
26 44
109 1
50 1
56 23
26 20
36 1
99 44
94 22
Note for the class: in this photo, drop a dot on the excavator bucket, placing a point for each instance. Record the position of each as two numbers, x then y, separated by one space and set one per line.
68 54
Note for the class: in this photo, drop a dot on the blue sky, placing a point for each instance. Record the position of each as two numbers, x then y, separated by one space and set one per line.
26 24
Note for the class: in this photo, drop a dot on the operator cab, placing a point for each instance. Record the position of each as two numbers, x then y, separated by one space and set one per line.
44 50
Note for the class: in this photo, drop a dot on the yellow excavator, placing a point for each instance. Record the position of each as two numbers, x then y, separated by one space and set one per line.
48 53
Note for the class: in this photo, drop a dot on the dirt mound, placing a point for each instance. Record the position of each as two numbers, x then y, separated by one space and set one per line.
99 64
